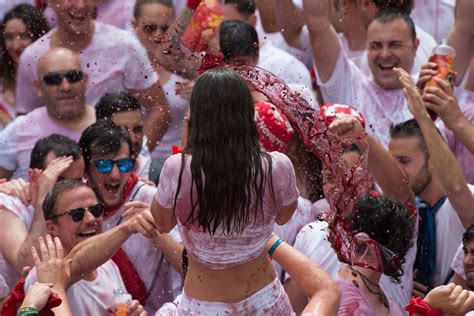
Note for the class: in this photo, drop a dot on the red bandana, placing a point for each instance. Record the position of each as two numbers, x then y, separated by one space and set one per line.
18 295
419 307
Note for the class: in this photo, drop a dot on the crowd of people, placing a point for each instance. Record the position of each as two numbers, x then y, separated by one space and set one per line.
242 157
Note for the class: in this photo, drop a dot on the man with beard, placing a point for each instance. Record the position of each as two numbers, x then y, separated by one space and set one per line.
444 199
144 263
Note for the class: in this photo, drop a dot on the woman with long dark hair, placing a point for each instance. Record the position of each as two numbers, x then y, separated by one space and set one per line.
225 193
21 26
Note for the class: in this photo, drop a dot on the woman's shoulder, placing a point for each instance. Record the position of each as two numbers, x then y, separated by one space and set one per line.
279 158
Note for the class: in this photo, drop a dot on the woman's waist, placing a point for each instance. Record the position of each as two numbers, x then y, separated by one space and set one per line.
228 285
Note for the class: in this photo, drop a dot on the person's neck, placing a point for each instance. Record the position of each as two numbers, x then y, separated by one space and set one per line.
372 275
433 192
72 41
78 123
355 31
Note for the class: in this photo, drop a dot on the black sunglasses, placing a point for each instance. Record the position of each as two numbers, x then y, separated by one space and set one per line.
151 28
55 78
77 214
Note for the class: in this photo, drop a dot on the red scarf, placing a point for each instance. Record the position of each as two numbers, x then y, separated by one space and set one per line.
18 295
131 278
419 307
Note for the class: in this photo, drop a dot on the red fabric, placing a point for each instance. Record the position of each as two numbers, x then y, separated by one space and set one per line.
132 180
18 295
211 61
332 111
41 4
193 4
207 17
418 306
131 279
274 128
175 150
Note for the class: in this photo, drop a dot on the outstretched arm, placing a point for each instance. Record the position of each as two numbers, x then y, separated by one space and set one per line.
382 166
289 19
444 162
324 40
311 280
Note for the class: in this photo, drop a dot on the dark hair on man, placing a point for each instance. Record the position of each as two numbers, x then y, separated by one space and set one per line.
116 102
49 203
36 26
223 140
238 38
140 3
389 15
103 138
409 128
244 7
468 236
388 222
400 6
59 145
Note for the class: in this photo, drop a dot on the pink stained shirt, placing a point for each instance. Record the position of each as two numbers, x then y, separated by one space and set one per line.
114 60
434 16
220 251
355 303
381 107
463 155
20 136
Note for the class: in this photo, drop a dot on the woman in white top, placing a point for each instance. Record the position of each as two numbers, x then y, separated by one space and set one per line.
21 26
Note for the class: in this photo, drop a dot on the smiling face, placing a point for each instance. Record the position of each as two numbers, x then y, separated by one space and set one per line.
70 232
151 25
390 45
17 38
73 16
109 187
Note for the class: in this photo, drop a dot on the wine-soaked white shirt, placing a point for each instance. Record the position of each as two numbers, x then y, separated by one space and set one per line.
114 61
381 107
434 16
153 269
90 297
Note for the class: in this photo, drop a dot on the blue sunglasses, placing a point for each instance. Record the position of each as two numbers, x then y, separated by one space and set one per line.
106 165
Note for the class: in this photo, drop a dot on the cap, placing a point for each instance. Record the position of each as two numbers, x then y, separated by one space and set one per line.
332 111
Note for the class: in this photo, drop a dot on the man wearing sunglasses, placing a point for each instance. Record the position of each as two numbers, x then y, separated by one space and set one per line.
73 214
62 84
112 58
106 149
21 221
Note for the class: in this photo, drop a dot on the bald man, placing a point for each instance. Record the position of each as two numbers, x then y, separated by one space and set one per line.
62 84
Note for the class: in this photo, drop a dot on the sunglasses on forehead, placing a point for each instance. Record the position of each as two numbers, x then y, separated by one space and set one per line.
77 214
55 78
106 165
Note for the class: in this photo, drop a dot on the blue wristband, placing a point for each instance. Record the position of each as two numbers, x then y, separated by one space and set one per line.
274 247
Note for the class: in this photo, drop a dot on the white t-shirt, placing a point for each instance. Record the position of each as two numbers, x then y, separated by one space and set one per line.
312 241
147 258
20 136
90 297
178 107
25 214
114 60
434 16
283 65
381 107
458 262
449 231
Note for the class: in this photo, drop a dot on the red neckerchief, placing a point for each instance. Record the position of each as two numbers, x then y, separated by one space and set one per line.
18 295
132 181
131 279
418 306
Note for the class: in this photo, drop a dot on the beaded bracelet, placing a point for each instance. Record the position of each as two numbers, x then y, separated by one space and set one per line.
27 311
274 247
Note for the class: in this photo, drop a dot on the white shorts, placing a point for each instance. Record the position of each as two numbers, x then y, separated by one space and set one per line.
270 300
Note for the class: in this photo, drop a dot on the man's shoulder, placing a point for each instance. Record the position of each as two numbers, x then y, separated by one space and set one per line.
37 49
108 35
143 192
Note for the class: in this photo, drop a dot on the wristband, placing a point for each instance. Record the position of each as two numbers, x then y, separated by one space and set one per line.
27 311
193 4
274 247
